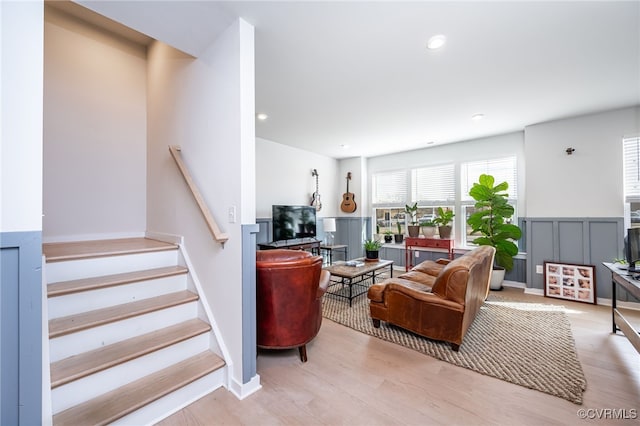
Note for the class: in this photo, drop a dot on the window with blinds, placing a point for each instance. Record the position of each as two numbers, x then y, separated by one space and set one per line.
631 164
437 186
432 186
389 188
502 169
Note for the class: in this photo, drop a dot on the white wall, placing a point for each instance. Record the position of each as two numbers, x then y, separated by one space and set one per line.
202 104
94 132
283 176
357 166
21 116
588 183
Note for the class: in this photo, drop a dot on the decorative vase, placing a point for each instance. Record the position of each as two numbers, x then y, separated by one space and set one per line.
414 231
398 238
388 238
429 231
445 232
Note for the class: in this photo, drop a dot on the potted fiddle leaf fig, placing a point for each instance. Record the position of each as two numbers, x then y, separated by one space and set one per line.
443 221
492 221
414 227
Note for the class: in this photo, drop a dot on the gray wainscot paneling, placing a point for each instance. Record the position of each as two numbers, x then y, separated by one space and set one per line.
393 252
265 232
249 333
352 231
21 335
582 241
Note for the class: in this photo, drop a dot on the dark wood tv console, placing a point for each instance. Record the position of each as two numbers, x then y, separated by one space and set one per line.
632 285
310 244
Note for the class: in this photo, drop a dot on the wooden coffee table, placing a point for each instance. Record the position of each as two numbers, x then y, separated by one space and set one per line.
350 276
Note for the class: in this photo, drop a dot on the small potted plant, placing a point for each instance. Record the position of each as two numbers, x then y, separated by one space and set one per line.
428 228
443 220
492 220
399 237
414 228
372 248
388 236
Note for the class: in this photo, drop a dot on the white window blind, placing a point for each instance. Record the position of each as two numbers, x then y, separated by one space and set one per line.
389 188
434 185
631 163
502 169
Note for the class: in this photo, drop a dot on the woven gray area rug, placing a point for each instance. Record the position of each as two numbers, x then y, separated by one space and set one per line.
527 344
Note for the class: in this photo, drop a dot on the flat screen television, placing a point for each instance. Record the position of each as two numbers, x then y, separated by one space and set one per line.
632 248
291 222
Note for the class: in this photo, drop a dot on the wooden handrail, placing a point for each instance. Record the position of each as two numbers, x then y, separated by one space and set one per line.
218 235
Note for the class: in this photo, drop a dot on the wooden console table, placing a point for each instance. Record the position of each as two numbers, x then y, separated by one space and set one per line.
425 243
310 244
622 278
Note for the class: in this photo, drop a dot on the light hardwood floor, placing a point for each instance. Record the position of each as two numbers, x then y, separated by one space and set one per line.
355 379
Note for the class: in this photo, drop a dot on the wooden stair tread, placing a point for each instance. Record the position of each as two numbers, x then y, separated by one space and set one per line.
74 286
87 363
73 323
56 252
122 401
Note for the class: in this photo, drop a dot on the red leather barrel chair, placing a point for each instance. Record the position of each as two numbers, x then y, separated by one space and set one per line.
289 289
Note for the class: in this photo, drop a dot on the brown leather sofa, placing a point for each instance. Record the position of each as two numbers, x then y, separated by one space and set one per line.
438 300
289 289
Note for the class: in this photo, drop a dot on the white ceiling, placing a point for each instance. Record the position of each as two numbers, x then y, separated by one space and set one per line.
359 74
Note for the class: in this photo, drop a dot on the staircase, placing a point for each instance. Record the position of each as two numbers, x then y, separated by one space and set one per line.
128 342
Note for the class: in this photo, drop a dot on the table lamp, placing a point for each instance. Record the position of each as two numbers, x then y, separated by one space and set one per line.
329 225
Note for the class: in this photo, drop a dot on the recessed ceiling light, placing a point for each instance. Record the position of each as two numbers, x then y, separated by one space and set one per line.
262 116
436 42
477 117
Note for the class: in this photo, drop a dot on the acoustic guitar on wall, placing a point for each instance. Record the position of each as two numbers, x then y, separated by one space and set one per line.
348 204
315 198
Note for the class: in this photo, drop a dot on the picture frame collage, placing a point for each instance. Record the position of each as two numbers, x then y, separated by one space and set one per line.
571 282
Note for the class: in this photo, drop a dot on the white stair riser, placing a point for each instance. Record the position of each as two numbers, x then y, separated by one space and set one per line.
108 265
76 303
89 387
152 413
93 338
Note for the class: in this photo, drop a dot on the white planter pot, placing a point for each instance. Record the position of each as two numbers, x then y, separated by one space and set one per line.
429 231
497 277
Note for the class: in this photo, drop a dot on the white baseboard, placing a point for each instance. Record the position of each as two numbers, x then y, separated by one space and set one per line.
601 300
241 391
514 284
534 291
